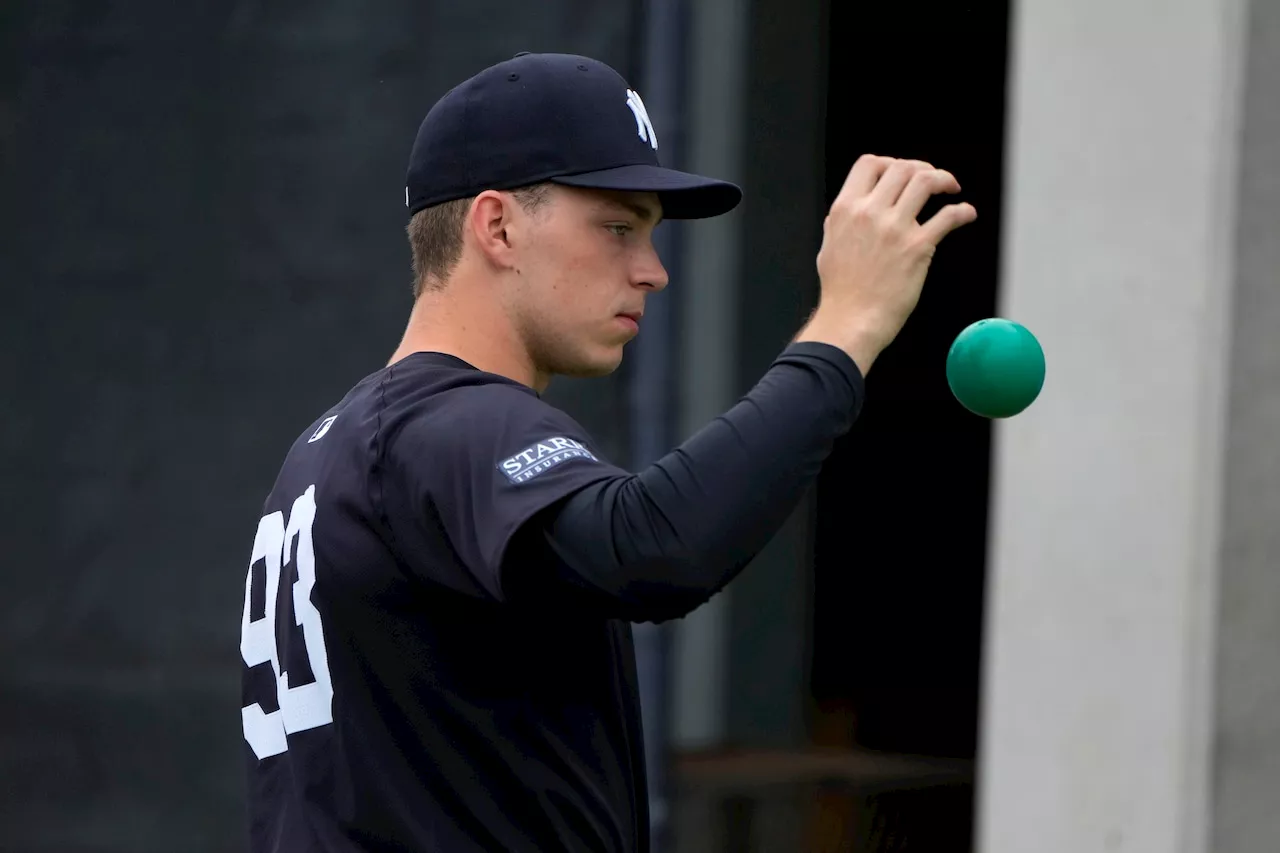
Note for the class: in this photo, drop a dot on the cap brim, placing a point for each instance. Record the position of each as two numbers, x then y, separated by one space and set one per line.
683 195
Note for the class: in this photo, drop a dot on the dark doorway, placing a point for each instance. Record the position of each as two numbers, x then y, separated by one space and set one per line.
901 510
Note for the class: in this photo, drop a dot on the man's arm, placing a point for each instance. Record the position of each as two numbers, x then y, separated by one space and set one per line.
656 545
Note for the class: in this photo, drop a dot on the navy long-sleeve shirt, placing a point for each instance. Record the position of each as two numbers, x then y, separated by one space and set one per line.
657 544
436 633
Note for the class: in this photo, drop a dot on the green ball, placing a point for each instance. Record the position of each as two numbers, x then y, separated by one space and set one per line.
995 368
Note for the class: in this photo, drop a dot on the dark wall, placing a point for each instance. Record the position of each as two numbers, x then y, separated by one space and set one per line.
902 503
204 248
901 508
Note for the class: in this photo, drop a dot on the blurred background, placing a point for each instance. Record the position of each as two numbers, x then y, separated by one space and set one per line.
1053 633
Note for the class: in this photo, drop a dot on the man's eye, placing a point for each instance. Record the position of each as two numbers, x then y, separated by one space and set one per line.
619 230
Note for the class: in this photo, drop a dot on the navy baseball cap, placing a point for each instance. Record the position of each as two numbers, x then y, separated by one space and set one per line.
556 118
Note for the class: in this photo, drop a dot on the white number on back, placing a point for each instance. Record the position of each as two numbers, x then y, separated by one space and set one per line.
305 706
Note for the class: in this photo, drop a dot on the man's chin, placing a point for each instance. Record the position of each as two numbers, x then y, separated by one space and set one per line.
589 368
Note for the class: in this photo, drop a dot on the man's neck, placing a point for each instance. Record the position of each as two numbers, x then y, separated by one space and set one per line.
476 331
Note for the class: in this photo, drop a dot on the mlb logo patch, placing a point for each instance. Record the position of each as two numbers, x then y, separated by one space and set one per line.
541 457
322 429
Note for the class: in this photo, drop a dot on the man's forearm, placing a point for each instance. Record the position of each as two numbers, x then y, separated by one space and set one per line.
656 545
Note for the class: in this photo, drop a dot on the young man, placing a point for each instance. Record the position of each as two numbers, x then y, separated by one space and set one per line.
436 640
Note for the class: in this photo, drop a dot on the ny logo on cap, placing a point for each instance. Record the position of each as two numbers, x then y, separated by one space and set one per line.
644 127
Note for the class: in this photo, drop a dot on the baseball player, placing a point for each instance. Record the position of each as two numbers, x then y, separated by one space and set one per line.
436 642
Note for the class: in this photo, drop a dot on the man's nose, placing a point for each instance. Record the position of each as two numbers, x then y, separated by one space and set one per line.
651 274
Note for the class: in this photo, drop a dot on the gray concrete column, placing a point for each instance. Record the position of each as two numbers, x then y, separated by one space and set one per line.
717 77
1245 797
1130 687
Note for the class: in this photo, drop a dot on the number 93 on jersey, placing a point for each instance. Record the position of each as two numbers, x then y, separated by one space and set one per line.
277 595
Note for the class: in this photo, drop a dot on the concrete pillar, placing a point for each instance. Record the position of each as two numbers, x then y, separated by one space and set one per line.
1134 611
709 344
1246 725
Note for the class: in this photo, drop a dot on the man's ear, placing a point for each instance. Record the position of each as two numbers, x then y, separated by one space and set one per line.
487 223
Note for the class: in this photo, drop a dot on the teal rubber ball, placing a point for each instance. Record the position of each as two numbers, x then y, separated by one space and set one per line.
995 368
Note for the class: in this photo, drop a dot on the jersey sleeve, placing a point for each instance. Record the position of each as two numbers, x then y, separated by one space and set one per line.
481 462
656 545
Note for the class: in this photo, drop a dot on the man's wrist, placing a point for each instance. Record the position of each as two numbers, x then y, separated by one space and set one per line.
853 335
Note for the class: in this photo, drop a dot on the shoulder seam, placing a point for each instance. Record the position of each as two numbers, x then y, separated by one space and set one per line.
377 484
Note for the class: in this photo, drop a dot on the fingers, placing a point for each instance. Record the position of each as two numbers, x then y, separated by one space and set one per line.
947 220
894 180
923 185
864 174
905 186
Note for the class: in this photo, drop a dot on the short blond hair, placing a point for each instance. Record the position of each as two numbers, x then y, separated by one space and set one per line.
435 236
